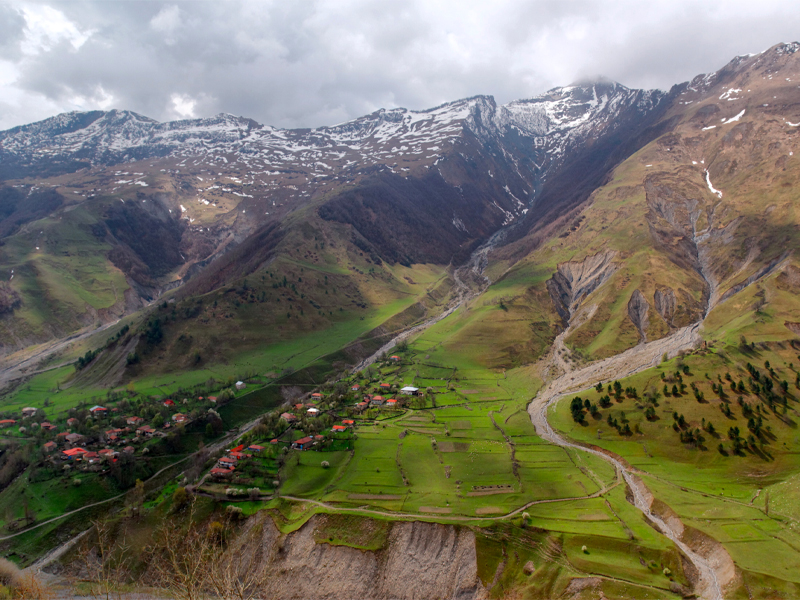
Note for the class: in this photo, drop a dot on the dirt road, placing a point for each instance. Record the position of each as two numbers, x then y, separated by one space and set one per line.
622 365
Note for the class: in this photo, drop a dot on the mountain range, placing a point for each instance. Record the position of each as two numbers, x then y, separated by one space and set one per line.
103 212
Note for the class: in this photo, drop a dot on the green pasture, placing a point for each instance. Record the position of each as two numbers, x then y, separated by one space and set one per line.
746 502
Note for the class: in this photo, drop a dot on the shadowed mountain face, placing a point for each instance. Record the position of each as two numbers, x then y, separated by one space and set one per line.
151 204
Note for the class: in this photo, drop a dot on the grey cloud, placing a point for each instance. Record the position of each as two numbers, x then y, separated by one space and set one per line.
12 25
303 64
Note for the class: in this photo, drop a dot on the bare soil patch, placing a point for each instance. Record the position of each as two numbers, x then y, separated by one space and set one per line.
374 497
489 510
453 446
439 510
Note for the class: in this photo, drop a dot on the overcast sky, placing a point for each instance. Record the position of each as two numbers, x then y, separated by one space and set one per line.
305 63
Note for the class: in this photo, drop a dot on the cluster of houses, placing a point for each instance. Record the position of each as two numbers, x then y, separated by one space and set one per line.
227 464
372 400
77 448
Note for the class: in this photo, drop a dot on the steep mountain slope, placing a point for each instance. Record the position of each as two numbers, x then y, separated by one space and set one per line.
150 204
687 220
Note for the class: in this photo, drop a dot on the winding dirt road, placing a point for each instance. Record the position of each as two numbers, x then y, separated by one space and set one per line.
631 361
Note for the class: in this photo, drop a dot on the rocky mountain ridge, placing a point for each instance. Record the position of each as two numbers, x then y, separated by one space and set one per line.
409 186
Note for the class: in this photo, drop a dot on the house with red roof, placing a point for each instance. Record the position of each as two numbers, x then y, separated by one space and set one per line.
135 421
391 403
47 426
339 428
394 358
112 435
355 388
303 443
227 462
180 418
384 386
349 422
145 430
6 423
107 453
255 447
377 401
49 447
316 396
98 411
288 417
169 403
73 453
221 473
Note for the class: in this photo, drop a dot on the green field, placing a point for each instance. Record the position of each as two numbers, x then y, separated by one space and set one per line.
746 501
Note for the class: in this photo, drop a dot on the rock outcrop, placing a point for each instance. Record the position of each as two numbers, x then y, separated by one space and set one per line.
664 300
419 560
639 313
574 280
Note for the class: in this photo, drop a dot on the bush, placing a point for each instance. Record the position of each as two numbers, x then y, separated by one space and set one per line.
234 513
9 573
180 498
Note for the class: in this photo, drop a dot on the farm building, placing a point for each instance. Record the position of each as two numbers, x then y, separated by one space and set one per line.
240 385
28 412
73 454
409 391
303 443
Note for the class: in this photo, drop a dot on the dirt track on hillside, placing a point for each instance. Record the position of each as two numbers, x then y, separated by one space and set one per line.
622 365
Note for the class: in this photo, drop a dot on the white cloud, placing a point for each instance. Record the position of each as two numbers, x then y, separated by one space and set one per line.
45 27
183 105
